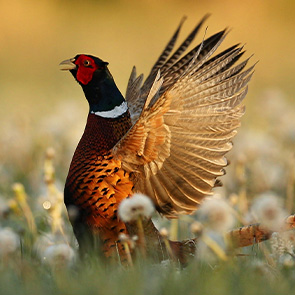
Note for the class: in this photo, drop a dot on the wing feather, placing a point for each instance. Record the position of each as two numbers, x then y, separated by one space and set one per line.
185 115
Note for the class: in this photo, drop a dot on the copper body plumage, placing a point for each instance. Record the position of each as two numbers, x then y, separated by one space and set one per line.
169 144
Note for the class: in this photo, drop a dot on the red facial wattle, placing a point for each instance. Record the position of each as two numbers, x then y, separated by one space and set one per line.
86 68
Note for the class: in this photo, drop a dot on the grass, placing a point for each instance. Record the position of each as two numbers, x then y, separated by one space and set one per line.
238 277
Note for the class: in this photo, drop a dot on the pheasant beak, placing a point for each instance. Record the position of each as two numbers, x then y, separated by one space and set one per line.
67 64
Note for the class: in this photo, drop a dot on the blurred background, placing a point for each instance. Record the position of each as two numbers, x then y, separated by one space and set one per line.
42 106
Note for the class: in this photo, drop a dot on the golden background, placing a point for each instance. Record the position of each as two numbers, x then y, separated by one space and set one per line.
41 105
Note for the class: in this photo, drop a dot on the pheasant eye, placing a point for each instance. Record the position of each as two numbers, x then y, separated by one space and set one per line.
86 63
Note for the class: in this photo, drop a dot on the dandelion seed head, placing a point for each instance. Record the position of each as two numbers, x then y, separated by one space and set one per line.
46 240
216 214
277 244
137 205
9 241
267 209
59 255
46 205
196 227
282 243
164 232
123 238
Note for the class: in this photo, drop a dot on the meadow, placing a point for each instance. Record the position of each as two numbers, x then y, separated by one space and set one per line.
43 114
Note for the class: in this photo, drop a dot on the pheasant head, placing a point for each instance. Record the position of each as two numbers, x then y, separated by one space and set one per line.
92 74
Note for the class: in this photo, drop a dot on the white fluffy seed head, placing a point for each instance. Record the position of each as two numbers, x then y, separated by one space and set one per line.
138 205
59 255
282 243
164 232
46 240
9 241
268 210
123 238
216 214
196 227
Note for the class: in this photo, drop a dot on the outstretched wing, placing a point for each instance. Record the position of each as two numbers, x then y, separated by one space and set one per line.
188 115
136 93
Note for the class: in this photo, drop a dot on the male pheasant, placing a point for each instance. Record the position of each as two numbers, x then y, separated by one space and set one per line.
166 139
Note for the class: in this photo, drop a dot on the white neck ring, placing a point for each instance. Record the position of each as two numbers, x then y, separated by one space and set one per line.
116 112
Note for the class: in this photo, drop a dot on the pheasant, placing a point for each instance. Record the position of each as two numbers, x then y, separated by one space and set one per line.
167 138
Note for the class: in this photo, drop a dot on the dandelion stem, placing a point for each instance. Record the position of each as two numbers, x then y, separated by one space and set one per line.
141 237
168 247
128 253
164 235
174 230
214 247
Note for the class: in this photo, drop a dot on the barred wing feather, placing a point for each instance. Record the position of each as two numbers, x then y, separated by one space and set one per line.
185 120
